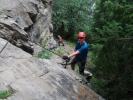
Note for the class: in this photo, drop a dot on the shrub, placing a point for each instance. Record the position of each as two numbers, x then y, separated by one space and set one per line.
45 54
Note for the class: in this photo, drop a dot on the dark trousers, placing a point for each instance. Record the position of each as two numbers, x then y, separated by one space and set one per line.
81 65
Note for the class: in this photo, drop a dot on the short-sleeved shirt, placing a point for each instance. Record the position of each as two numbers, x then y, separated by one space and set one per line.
83 50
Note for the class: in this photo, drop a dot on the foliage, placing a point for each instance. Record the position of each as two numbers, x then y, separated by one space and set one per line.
112 18
60 51
92 56
45 54
113 72
95 49
5 94
70 16
113 63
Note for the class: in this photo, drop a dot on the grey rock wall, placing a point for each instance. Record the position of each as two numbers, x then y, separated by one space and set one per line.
22 21
38 79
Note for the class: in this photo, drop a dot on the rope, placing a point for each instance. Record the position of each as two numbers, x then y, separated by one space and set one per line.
4 47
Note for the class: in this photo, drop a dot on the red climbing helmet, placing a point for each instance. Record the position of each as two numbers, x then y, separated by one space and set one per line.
81 35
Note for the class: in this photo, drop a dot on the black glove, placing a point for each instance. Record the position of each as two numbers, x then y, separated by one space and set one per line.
66 58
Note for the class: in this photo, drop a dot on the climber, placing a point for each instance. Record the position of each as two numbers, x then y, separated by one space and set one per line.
79 53
60 40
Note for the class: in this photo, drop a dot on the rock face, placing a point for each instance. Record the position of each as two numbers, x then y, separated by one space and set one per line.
38 79
22 21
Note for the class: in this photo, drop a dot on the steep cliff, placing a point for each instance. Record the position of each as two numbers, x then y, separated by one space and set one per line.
22 21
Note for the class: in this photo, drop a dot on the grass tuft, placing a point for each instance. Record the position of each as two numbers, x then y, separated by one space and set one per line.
45 54
5 93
